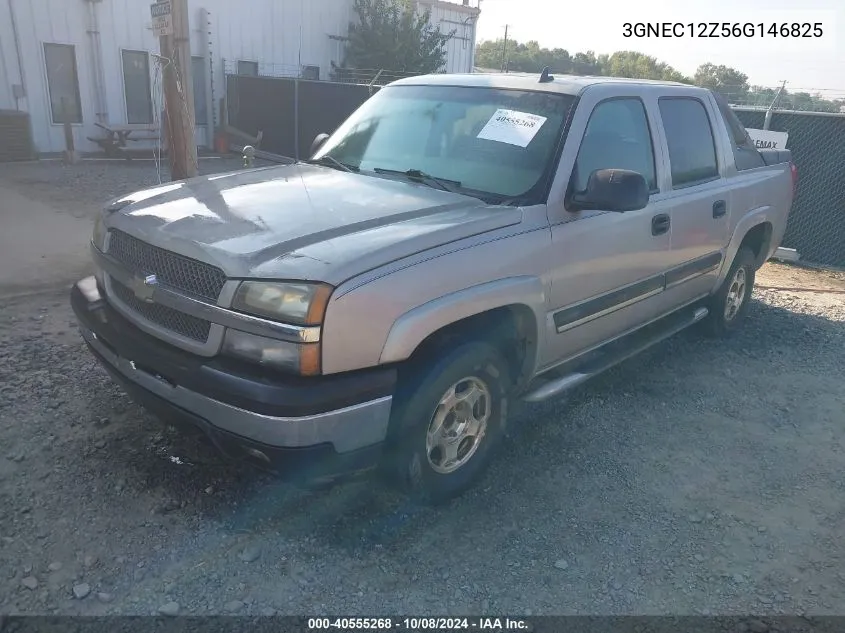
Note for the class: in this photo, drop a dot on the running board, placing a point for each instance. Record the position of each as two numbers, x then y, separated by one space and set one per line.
581 369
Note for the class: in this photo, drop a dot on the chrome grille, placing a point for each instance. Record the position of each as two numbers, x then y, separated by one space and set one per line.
171 269
183 324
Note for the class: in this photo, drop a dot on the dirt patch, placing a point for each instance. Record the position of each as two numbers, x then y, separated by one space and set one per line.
794 278
82 189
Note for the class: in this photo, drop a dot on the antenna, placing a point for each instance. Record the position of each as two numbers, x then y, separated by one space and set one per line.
545 77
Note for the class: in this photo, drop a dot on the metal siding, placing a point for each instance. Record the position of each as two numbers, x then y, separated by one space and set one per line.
8 60
458 50
268 32
51 21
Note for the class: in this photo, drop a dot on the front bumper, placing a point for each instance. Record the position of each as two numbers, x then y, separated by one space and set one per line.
311 427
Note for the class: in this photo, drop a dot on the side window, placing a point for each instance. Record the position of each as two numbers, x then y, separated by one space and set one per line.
250 69
63 82
692 150
136 86
617 137
198 67
745 152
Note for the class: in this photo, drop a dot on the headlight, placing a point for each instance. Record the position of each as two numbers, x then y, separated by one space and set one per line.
99 237
296 303
302 358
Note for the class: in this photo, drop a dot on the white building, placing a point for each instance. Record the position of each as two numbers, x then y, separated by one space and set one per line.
96 54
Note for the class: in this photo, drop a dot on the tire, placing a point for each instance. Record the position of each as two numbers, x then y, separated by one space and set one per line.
729 306
418 457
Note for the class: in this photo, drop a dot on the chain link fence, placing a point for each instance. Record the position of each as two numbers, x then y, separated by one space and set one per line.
289 112
291 104
816 227
357 76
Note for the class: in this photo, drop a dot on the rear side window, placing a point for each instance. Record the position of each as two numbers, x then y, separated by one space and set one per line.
745 152
692 150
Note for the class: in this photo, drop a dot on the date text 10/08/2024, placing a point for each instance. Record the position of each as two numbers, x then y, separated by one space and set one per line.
418 624
723 29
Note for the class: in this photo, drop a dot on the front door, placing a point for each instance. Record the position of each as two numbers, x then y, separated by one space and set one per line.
608 267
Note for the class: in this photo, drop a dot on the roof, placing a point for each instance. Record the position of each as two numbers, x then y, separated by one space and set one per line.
565 84
452 5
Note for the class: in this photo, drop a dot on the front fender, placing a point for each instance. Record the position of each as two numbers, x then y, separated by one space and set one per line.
414 326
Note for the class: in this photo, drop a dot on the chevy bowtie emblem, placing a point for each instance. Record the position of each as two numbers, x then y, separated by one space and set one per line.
144 287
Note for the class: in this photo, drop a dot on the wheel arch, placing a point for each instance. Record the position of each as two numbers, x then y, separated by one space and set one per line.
755 230
507 312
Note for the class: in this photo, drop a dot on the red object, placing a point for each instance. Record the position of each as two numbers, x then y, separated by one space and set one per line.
221 143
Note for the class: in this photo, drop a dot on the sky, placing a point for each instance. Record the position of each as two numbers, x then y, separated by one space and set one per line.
808 64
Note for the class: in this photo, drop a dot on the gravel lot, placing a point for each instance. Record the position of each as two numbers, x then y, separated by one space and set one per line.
701 477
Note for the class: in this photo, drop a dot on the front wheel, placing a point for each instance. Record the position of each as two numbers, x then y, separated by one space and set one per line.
729 306
447 426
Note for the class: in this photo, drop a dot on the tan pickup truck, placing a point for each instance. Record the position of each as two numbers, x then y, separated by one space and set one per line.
459 242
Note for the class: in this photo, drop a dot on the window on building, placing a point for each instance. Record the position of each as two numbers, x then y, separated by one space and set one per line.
198 67
63 82
310 72
136 87
250 69
692 150
617 137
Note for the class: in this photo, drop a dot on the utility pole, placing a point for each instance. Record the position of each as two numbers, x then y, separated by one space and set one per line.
767 122
505 51
179 94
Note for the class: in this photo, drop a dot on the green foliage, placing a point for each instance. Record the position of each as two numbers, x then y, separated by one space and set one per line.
637 65
392 35
530 58
733 84
806 101
728 81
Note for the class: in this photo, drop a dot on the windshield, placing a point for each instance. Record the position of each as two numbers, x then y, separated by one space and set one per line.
490 142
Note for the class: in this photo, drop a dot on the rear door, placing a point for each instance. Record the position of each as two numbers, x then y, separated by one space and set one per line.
697 190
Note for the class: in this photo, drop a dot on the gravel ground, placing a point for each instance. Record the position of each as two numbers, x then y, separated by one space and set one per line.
700 477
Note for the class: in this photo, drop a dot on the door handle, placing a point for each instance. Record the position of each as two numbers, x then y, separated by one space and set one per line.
720 208
660 224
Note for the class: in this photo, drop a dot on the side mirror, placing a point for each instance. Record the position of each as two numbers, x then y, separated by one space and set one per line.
613 190
318 142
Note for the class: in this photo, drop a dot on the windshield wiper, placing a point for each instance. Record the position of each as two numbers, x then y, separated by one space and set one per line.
331 161
445 184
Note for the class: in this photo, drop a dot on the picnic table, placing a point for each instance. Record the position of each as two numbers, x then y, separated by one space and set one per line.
116 136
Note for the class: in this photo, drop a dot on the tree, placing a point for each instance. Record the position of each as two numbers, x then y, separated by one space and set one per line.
585 64
392 35
530 57
525 58
723 79
639 66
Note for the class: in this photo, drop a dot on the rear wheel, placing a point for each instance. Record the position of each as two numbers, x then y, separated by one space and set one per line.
729 306
446 427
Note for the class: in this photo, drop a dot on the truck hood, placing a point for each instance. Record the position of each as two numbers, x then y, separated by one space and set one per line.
301 221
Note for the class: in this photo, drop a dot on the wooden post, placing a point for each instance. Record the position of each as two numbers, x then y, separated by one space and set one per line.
70 156
179 95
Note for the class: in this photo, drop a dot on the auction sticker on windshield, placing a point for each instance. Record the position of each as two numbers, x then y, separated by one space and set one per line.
512 127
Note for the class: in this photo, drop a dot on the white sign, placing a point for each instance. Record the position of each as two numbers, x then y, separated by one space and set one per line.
766 139
162 13
512 127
